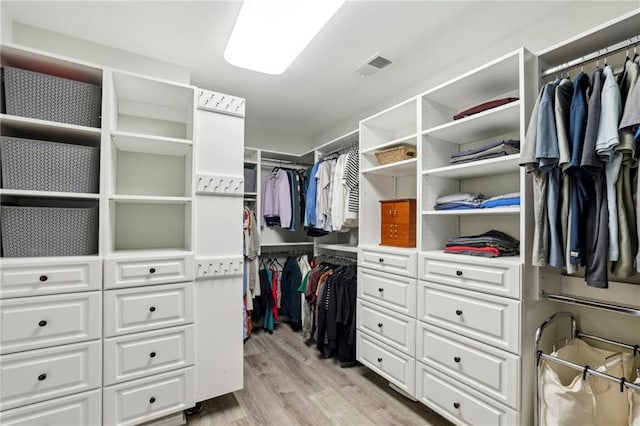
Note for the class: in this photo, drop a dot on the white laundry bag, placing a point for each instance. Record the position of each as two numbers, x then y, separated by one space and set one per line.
567 399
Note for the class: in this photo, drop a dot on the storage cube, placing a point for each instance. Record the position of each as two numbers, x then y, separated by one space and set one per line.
249 180
48 231
47 97
49 166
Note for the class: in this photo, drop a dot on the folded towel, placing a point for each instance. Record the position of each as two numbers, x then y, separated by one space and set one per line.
461 196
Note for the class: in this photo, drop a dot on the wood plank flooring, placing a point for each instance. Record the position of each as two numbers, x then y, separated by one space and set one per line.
287 383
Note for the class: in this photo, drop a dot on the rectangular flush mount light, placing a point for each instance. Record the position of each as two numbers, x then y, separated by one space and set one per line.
270 34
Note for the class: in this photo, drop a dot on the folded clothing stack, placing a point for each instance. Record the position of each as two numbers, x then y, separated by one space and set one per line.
490 150
460 201
490 244
506 200
483 107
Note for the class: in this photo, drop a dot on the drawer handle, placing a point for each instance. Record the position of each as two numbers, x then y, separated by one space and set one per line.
458 312
457 358
42 377
379 359
380 324
152 309
152 400
43 278
380 289
459 273
456 405
152 270
152 354
380 260
42 323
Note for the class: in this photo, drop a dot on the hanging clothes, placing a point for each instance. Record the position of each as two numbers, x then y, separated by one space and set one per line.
276 200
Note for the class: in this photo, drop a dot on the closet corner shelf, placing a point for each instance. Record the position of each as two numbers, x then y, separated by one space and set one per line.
48 194
494 122
401 168
467 212
148 144
345 248
26 124
148 199
405 140
489 167
440 254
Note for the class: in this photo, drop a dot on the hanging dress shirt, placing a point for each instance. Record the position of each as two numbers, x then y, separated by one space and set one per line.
276 199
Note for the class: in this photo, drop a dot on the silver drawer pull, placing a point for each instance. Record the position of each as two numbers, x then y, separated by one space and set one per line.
458 312
457 358
42 377
43 278
42 323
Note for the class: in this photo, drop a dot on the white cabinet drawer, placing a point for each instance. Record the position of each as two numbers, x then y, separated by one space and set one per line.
129 272
84 409
36 278
37 322
391 291
396 330
139 355
147 308
458 403
489 319
146 399
402 262
484 275
489 370
35 376
393 365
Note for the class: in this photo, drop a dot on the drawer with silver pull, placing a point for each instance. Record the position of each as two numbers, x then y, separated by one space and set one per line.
146 399
127 272
38 322
142 354
490 319
42 374
28 277
138 309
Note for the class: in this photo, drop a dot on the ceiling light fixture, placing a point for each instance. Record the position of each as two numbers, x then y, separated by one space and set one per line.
270 34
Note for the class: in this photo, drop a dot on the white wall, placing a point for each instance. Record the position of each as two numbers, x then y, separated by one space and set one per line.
276 140
570 20
99 54
5 26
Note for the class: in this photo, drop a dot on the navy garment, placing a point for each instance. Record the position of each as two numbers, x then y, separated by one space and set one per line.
310 201
290 305
346 294
580 193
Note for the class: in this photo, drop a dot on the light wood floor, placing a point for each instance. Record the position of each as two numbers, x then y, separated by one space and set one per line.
286 383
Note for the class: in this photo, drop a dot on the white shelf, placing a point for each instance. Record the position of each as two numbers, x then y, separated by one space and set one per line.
49 194
135 142
397 117
491 123
255 163
401 168
32 128
285 245
146 199
489 167
250 194
466 212
405 140
345 248
337 143
168 252
440 254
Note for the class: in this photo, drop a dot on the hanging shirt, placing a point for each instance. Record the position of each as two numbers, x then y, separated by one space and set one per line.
351 177
276 199
338 194
310 210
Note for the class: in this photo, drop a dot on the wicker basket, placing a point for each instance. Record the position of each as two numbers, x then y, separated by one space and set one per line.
395 154
47 97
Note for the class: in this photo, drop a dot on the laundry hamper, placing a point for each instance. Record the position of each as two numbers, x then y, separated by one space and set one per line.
47 97
36 165
48 231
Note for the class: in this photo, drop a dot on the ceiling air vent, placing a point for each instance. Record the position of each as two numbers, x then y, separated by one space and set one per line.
373 65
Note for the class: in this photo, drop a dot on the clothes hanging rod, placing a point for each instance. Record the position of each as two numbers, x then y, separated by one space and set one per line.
592 56
612 307
345 148
284 163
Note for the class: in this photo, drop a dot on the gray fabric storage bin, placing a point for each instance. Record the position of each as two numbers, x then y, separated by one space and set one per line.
249 180
47 97
48 231
35 165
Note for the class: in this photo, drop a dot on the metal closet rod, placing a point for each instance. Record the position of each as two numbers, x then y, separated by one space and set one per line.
592 56
284 163
342 149
607 306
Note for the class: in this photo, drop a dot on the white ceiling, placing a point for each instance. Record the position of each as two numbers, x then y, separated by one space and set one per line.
320 88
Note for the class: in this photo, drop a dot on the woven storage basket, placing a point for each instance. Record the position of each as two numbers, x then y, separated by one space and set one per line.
48 166
46 97
48 231
395 154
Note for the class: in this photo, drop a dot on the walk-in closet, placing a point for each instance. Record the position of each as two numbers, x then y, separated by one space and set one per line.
337 212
